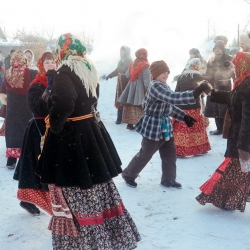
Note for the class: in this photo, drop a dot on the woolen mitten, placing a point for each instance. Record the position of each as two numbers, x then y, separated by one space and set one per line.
203 87
189 120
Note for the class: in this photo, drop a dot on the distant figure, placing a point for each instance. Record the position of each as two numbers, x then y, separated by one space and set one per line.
122 80
190 141
219 74
195 53
31 58
18 79
2 72
133 95
7 60
245 42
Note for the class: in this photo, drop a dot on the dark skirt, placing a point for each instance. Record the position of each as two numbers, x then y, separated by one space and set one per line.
99 224
215 110
83 154
18 115
27 164
231 191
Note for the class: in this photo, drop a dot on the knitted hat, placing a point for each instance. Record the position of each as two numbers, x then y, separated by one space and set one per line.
245 39
219 45
157 68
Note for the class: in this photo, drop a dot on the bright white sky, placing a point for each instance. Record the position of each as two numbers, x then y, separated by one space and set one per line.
163 27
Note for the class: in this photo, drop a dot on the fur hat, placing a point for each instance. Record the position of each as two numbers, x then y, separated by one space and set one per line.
219 45
157 68
245 39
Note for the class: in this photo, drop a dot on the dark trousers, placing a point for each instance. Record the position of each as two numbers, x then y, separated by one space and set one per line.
219 123
167 152
119 114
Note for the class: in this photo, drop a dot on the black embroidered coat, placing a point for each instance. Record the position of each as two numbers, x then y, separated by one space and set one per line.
238 103
27 164
76 153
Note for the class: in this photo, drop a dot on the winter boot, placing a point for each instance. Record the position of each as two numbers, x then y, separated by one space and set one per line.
30 208
11 163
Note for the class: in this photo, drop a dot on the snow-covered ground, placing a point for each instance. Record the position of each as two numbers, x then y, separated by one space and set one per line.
166 218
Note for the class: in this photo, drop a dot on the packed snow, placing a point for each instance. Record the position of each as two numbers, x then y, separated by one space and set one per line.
167 218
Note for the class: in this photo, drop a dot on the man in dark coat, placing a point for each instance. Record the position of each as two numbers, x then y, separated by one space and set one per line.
219 74
122 80
7 60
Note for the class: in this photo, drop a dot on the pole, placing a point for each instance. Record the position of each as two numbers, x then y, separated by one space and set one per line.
238 35
208 29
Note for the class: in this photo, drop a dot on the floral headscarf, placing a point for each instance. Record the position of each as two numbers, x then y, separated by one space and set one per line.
15 75
192 67
139 64
242 67
71 52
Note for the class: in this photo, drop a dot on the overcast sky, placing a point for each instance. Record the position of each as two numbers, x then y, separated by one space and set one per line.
161 26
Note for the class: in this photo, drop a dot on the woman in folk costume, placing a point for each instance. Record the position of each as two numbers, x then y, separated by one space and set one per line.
133 95
195 53
245 42
30 191
229 186
122 80
79 160
31 59
18 114
3 102
193 140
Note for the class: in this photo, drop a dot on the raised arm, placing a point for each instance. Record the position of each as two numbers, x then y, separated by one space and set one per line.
165 94
220 96
36 102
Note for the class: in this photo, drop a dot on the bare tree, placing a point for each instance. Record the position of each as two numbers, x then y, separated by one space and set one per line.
33 41
88 41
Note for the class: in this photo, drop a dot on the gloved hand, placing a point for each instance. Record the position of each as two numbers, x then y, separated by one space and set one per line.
189 120
243 155
108 77
3 98
203 87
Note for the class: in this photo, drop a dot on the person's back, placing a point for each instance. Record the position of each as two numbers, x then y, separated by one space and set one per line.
79 160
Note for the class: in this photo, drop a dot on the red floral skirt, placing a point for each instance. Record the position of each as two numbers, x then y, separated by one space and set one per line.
194 140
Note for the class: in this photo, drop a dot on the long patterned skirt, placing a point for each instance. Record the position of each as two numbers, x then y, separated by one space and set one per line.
131 113
194 140
231 191
100 220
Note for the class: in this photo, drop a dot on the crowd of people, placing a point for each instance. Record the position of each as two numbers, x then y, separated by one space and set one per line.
67 159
